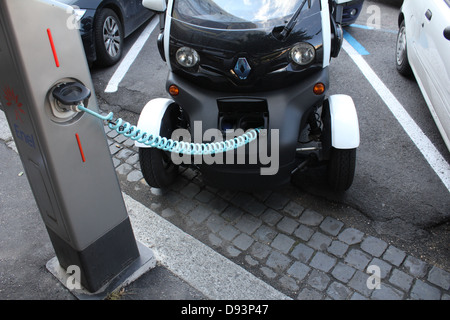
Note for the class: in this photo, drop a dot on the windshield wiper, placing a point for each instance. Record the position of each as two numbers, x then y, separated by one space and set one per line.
291 24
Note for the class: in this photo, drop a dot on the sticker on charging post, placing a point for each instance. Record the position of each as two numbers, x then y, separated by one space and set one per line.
12 100
28 139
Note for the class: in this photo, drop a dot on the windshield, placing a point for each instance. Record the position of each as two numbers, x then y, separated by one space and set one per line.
236 13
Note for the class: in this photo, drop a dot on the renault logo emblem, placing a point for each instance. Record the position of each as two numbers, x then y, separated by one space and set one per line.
242 68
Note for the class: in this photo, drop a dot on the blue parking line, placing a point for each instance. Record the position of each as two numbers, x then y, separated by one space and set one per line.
360 26
355 44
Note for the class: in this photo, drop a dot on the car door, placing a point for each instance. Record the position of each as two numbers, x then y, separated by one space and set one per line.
414 11
135 15
142 13
128 9
434 53
134 6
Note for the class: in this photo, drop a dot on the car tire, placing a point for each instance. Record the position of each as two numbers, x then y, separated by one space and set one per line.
108 32
341 169
401 58
157 168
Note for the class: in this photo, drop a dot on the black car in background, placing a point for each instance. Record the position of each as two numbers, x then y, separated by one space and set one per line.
104 24
351 12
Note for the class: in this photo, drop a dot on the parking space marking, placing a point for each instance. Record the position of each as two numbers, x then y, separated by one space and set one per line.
360 26
355 44
132 54
423 143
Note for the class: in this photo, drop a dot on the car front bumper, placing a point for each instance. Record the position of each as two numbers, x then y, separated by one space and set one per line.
286 111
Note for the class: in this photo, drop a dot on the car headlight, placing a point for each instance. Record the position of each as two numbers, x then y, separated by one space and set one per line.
303 53
187 57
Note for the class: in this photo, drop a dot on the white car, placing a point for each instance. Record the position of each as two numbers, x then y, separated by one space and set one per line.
423 49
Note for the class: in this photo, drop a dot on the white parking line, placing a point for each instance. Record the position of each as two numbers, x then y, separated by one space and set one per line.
426 147
126 63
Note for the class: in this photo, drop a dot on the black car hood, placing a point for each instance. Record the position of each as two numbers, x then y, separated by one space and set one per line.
268 57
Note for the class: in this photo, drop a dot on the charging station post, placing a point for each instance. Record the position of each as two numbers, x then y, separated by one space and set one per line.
43 71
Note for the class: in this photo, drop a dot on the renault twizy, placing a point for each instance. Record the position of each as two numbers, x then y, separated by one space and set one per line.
243 65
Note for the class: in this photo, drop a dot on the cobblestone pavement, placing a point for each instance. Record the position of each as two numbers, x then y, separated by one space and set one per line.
303 253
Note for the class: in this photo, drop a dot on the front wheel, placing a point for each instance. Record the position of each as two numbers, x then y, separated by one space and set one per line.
402 62
341 169
108 38
157 168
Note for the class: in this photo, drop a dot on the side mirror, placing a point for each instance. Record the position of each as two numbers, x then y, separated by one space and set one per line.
155 5
447 33
337 38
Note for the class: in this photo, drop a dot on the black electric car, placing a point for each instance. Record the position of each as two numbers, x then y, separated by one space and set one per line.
244 65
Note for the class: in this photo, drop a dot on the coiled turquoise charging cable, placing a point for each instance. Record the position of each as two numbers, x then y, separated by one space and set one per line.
162 143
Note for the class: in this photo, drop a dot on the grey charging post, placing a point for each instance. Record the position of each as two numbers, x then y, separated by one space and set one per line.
64 152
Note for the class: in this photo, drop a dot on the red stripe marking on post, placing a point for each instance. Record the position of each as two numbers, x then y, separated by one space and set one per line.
52 44
80 147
